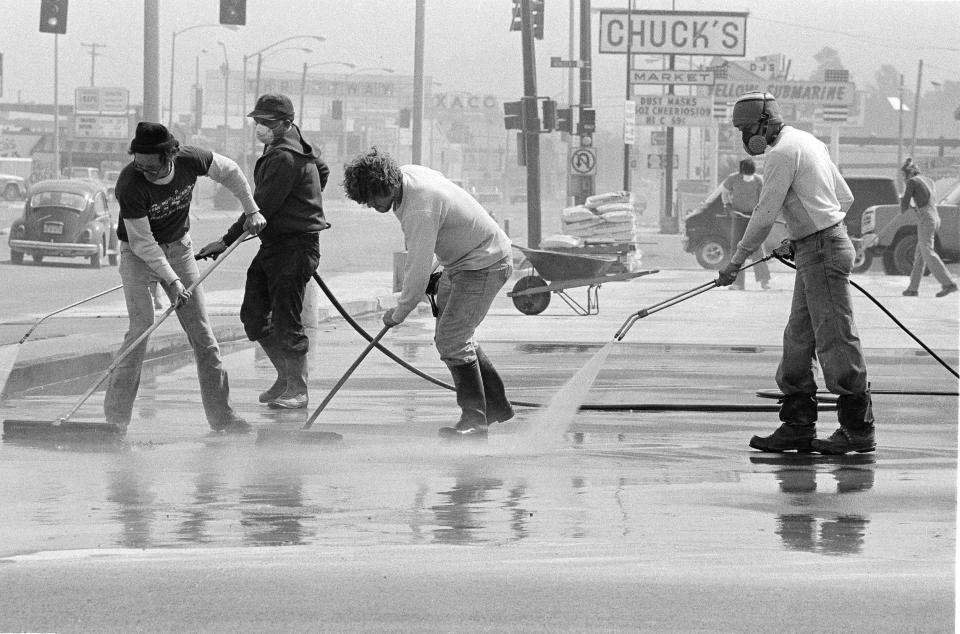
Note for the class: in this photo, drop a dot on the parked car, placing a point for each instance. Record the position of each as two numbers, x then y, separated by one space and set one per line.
65 218
706 232
13 187
110 180
707 228
892 235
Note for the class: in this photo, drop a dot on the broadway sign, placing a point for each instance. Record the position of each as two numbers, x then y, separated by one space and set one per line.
673 32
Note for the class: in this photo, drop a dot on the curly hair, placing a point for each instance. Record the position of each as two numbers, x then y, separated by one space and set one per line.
370 175
909 168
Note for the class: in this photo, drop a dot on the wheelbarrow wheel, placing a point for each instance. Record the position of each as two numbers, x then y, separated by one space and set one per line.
535 303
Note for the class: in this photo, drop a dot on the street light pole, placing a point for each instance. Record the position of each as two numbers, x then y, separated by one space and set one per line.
226 94
173 61
303 83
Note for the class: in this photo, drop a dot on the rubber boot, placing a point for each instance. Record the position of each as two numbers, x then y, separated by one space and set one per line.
276 358
856 432
470 397
799 415
498 409
295 394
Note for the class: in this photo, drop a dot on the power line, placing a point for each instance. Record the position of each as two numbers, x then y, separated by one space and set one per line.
858 37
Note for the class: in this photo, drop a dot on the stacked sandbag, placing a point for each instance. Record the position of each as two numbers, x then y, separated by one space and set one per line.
602 218
561 241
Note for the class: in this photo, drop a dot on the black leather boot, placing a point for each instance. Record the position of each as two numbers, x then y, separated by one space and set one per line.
295 394
799 415
470 398
276 358
856 432
498 409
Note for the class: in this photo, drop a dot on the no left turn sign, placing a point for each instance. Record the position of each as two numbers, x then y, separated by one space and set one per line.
583 161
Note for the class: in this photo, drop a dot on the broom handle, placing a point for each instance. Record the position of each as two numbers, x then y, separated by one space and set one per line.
373 343
146 333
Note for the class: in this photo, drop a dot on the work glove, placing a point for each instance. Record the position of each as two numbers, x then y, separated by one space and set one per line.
388 319
728 274
213 249
784 251
254 223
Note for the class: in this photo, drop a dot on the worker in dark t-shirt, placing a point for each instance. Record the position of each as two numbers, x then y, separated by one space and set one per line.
154 192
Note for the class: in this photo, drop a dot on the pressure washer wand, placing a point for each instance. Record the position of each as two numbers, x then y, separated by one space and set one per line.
82 301
346 375
146 333
785 250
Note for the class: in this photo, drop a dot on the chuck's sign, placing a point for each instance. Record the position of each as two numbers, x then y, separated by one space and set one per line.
673 32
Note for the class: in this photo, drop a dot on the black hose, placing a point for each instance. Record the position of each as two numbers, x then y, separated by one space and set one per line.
891 316
595 407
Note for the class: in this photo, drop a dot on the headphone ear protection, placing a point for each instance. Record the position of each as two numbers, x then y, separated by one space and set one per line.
757 143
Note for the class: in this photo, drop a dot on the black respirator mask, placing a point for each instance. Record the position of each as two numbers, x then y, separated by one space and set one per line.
755 137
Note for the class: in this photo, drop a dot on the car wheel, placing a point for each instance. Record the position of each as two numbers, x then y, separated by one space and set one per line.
898 257
712 253
16 257
531 304
96 260
37 258
12 192
862 261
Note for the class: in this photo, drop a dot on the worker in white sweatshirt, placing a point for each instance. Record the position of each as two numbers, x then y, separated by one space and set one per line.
442 222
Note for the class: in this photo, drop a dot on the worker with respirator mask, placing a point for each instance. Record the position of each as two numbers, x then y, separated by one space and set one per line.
803 183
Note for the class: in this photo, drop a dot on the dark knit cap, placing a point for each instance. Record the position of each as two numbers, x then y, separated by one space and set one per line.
275 107
750 107
152 138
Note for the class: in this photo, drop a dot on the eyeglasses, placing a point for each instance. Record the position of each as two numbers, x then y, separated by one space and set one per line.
152 168
270 123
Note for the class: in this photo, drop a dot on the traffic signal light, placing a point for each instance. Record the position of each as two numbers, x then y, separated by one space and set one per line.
513 115
53 16
233 12
549 115
588 121
565 120
404 119
336 110
536 8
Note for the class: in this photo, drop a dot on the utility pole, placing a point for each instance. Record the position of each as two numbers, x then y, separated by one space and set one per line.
93 46
629 93
151 60
585 184
418 48
916 110
531 125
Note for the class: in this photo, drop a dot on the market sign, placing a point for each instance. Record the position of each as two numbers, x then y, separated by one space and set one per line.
672 77
814 93
673 32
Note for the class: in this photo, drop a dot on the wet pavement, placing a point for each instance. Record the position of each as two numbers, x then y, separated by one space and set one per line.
631 519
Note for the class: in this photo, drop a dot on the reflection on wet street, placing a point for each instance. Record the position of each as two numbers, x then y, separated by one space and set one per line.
662 485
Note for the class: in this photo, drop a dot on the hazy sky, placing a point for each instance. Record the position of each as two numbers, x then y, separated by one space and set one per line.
468 45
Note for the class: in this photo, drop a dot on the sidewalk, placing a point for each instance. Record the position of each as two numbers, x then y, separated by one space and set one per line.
717 318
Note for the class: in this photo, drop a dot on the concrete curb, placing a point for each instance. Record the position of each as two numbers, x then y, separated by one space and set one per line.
51 369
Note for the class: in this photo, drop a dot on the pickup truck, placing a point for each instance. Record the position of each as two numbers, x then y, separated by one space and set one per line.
892 235
706 228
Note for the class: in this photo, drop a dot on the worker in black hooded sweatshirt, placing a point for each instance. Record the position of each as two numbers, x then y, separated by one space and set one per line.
288 180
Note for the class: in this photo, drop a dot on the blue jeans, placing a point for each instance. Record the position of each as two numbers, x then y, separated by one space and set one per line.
464 297
125 380
928 222
821 318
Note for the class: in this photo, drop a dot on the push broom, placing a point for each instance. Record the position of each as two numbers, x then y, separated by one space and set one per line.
63 427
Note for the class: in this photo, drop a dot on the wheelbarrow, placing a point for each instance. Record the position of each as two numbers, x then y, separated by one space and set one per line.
555 272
